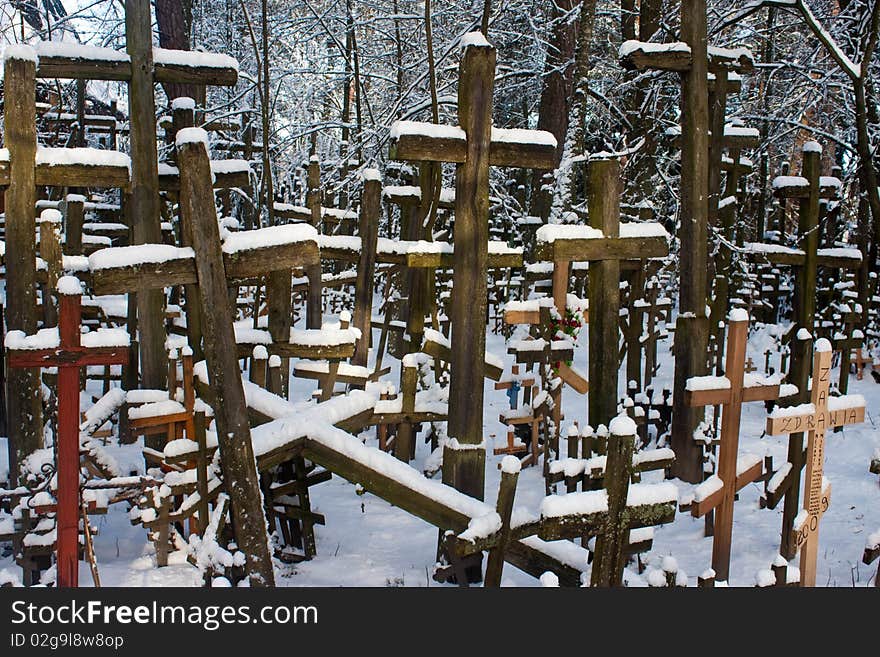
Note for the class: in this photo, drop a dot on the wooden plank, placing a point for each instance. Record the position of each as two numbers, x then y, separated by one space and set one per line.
142 204
368 229
236 449
607 248
604 293
24 402
421 148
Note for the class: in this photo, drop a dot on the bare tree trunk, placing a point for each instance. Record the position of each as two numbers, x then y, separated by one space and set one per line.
174 21
556 95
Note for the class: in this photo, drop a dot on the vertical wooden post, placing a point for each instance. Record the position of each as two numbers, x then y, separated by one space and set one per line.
50 252
610 555
74 214
691 334
233 431
259 358
183 116
368 229
468 308
729 450
273 380
143 210
604 293
510 467
314 303
404 443
23 403
200 424
800 362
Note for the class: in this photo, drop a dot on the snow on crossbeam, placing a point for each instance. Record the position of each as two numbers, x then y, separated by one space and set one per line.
419 141
799 187
575 242
62 59
58 167
677 56
225 174
117 270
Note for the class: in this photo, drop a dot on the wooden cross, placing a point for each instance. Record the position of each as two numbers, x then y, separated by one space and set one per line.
604 244
822 413
610 514
851 339
24 167
694 60
859 360
141 66
474 146
808 189
733 471
70 352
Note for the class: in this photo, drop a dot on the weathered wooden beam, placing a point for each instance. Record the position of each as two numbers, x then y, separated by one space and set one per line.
451 146
602 248
233 432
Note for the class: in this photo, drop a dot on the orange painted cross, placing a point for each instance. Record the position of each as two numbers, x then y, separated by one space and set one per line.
822 413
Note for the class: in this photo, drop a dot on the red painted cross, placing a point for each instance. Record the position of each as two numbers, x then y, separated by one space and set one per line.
68 353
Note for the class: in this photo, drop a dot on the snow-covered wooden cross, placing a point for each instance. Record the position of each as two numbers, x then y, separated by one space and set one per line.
68 350
612 513
734 471
603 244
822 413
474 145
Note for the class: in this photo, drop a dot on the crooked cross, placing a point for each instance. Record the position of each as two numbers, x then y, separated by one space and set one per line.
474 146
816 417
733 471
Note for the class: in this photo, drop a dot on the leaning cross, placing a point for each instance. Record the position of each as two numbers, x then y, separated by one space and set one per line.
821 414
474 146
69 351
733 472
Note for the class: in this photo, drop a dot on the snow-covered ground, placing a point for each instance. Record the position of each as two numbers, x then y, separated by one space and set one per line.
367 542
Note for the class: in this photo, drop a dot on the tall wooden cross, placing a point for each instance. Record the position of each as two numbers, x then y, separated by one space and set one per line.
733 471
23 167
69 351
141 67
694 60
822 413
474 145
808 188
603 244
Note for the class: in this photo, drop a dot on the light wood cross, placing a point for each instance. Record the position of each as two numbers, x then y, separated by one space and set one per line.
734 471
603 244
474 145
822 413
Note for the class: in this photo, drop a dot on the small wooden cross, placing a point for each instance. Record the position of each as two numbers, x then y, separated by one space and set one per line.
69 355
733 471
821 414
610 514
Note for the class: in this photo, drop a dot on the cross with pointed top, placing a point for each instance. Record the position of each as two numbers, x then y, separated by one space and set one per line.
816 417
